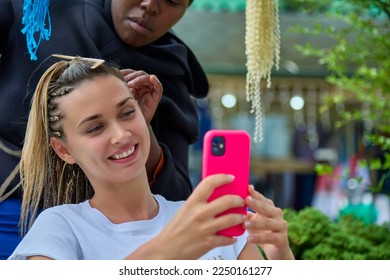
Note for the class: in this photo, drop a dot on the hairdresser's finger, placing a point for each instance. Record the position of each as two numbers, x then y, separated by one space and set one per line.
137 78
126 72
157 85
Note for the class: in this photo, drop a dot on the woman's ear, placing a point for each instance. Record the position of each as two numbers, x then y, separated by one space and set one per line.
61 150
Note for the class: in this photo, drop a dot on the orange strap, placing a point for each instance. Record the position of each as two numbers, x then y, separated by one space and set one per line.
158 169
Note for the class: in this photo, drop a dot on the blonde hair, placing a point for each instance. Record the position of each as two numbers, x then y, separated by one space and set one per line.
262 49
46 179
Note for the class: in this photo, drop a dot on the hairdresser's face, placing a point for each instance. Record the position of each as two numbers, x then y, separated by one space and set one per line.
140 22
106 133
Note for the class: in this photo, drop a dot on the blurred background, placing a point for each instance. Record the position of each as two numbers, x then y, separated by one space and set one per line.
317 149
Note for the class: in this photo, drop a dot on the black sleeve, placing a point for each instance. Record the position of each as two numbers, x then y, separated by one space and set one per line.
6 20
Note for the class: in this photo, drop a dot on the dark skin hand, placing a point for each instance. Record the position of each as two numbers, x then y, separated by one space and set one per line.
147 89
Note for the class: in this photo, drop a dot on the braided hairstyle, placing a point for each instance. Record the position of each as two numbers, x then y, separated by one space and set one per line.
46 179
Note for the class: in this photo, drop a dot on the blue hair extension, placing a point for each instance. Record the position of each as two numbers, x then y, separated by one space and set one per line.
35 17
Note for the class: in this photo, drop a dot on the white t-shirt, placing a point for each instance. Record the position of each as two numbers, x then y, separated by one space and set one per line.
80 232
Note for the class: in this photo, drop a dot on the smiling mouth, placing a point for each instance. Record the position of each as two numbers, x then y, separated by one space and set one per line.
124 154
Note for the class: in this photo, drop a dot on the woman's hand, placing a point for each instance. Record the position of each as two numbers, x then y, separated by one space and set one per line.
147 89
267 227
192 231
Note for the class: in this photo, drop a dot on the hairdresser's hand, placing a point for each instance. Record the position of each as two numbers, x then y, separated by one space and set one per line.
147 89
192 231
267 226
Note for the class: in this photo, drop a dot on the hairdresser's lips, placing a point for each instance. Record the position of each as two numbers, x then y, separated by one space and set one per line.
124 155
139 26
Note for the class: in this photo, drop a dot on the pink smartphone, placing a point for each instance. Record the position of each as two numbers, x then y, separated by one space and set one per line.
228 151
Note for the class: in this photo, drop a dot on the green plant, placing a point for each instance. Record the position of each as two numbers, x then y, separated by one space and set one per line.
313 236
359 63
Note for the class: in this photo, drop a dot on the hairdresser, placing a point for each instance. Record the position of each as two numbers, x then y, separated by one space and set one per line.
134 33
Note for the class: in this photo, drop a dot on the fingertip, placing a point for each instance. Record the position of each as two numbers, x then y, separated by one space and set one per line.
231 177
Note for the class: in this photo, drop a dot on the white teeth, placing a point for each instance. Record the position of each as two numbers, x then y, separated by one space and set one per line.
124 154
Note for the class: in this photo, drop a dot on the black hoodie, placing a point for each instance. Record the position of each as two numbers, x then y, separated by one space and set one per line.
85 28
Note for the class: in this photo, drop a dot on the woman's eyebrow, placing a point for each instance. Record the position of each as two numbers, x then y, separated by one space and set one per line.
120 104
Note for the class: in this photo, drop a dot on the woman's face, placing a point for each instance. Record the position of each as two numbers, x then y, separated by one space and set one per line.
106 133
141 22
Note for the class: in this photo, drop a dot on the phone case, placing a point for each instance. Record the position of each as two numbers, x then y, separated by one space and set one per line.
228 151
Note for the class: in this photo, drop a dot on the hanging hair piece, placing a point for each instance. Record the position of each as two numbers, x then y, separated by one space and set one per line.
262 49
36 19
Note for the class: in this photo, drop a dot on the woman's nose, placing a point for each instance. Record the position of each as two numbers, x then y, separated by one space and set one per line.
119 134
151 6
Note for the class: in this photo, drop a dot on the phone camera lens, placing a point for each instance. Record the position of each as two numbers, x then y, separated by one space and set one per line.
218 146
